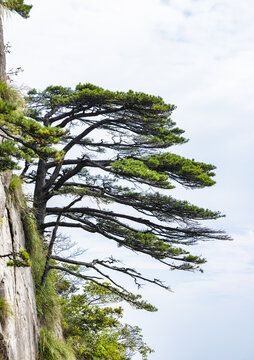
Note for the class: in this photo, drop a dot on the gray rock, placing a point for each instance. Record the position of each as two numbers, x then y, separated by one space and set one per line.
19 333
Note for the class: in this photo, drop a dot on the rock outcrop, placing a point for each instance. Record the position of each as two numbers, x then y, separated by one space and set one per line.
19 331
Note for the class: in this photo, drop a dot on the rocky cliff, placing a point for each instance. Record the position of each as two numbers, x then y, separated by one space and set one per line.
19 326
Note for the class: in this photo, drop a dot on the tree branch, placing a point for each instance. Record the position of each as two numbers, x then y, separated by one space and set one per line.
125 295
53 238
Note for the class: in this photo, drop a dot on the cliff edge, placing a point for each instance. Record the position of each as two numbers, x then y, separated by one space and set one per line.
19 331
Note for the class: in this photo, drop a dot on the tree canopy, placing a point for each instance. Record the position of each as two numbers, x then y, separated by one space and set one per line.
112 164
24 138
114 149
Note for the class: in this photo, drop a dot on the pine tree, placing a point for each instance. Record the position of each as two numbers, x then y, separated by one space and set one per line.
116 152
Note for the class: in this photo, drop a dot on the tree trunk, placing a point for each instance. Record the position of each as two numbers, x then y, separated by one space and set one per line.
2 53
40 201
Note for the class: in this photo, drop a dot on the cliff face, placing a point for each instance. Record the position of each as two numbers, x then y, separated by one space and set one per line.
18 331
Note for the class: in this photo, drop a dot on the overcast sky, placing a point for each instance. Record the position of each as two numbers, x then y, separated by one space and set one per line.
198 55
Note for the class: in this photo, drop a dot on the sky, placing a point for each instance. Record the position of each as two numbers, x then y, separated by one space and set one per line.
198 55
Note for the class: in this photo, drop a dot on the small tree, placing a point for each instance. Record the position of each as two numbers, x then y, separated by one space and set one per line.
93 326
116 152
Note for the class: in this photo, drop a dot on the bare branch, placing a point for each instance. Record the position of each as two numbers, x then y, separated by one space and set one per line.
53 238
105 263
125 295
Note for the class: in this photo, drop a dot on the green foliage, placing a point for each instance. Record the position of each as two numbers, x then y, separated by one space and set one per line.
22 259
28 139
157 169
53 348
139 170
17 6
33 239
16 192
11 95
24 137
15 184
6 163
94 328
58 96
187 172
47 302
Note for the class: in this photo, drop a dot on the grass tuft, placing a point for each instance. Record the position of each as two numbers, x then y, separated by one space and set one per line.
47 302
16 192
5 311
11 94
53 348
